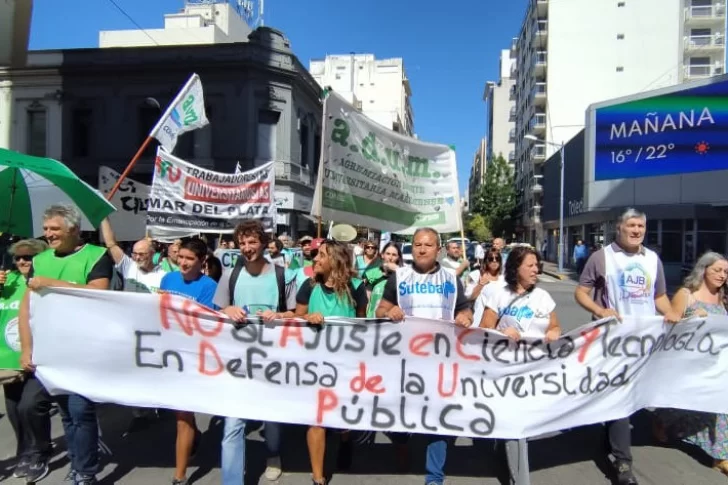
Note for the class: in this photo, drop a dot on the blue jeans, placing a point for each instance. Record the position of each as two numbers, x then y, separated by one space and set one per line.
435 457
81 428
233 448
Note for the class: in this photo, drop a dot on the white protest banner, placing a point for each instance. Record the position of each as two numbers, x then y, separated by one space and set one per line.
375 177
185 113
131 202
419 376
185 196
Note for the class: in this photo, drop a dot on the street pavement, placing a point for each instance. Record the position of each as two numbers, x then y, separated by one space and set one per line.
574 457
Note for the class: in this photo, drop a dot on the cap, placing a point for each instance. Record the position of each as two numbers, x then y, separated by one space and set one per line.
316 243
305 239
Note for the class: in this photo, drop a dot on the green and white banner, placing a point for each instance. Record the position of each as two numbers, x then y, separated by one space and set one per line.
375 177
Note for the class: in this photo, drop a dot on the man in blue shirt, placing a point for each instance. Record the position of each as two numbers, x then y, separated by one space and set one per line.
581 254
254 288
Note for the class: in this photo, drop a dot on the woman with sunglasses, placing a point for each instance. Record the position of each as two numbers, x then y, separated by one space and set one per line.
369 259
491 271
27 403
334 291
376 278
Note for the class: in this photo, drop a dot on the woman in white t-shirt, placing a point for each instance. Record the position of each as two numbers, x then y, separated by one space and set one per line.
520 309
491 271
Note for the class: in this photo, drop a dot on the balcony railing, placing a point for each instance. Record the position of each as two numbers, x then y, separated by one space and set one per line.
707 12
539 58
294 172
539 90
512 114
512 156
703 70
538 152
538 120
512 135
704 41
512 93
542 26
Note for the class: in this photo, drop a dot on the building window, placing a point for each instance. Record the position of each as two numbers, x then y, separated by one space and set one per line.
620 36
147 117
672 241
711 236
305 162
81 125
621 4
37 132
267 127
620 68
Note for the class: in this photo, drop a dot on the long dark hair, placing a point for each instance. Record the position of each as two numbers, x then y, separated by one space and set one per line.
490 254
390 244
514 261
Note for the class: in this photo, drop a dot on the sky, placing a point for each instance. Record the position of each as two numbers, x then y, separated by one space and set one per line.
450 48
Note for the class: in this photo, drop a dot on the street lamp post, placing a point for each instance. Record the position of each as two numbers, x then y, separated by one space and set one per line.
562 162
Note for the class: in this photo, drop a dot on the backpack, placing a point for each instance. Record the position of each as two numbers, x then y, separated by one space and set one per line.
280 279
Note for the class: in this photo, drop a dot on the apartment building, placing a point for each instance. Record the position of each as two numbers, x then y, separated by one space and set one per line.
571 53
378 87
199 22
500 99
477 172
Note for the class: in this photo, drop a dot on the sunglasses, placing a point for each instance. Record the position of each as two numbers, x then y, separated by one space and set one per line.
23 257
370 247
493 259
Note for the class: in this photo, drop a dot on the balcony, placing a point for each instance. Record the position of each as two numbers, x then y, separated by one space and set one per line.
542 8
294 172
512 93
537 189
539 63
512 135
514 47
512 114
512 157
514 70
540 33
698 71
538 152
539 94
705 14
537 125
704 43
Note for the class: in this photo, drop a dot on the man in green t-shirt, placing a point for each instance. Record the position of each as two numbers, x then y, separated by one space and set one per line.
69 263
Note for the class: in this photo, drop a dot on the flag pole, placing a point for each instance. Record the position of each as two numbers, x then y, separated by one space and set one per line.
129 167
318 227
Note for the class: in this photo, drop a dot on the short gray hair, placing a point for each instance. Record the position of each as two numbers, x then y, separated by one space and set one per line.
36 246
429 230
70 214
697 275
631 213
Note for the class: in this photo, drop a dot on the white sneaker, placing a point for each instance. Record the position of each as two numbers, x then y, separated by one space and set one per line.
273 469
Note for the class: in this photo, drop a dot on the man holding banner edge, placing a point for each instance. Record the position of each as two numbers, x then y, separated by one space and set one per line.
427 290
626 279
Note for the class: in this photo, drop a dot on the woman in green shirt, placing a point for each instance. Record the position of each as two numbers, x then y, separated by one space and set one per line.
26 401
333 291
375 278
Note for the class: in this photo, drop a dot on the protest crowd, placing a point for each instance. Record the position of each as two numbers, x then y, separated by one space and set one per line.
232 281
335 279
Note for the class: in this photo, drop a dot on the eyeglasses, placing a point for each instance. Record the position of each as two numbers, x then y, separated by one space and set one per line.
370 247
494 259
23 257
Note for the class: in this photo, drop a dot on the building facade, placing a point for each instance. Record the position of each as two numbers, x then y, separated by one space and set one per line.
92 107
571 54
500 98
379 88
477 172
659 152
199 22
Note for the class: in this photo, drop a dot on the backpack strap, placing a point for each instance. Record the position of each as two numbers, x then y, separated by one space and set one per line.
281 280
239 264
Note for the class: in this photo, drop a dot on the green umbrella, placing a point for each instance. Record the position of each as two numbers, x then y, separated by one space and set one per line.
28 185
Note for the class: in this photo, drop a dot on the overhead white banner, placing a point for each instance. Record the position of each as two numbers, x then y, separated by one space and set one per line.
375 177
419 376
131 202
185 113
185 196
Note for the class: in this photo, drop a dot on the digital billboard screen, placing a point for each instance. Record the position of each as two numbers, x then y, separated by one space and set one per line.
680 132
